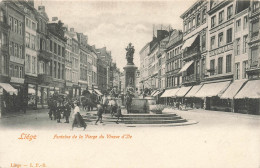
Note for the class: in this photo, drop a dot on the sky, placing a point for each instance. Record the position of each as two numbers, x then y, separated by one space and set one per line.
114 24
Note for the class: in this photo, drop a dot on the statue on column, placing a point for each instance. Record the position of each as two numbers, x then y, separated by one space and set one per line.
130 54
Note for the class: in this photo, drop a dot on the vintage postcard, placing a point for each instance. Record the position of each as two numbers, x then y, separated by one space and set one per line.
126 84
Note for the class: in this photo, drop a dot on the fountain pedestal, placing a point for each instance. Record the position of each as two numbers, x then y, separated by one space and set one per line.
130 76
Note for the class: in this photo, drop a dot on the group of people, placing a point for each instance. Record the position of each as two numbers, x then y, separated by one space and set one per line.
60 107
103 107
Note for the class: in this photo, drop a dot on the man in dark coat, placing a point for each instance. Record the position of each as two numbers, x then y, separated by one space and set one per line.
67 111
99 113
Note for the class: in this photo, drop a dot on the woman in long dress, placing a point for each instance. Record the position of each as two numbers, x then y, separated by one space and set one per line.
77 118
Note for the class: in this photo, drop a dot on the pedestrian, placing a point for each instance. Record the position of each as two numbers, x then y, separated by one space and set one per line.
67 111
113 105
100 111
119 114
77 118
104 103
58 112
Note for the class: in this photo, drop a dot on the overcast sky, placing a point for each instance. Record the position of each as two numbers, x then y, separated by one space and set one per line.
114 24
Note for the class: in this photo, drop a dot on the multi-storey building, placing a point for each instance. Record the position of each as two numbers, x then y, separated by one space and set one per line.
144 66
83 79
94 67
72 62
16 14
44 56
248 100
31 48
173 64
4 58
101 75
194 48
57 49
89 67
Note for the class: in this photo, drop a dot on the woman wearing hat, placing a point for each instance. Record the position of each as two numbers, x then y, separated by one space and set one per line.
77 118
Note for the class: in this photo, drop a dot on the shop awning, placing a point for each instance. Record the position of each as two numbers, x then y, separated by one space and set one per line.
193 91
233 89
186 66
8 88
212 89
189 42
31 91
183 91
157 93
250 90
153 92
98 92
174 91
166 93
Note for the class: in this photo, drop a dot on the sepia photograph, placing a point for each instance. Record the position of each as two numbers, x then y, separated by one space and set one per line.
129 84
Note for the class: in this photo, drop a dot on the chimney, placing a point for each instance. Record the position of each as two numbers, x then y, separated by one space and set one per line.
31 2
41 8
72 29
55 19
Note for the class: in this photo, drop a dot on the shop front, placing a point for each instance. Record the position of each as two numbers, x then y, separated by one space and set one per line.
191 100
247 99
31 91
211 93
17 102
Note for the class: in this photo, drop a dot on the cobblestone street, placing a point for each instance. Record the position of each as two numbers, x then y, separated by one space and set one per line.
228 140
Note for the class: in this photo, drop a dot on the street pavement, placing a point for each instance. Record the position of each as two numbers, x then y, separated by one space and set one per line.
219 139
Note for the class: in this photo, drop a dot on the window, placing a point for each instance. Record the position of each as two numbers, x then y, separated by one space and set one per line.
220 65
33 39
238 46
198 68
220 39
245 44
213 21
193 22
237 65
245 25
33 25
255 27
1 16
189 26
20 72
212 67
228 63
59 50
55 48
3 40
20 52
11 48
11 70
43 45
245 65
203 66
28 63
15 26
229 12
50 45
27 40
16 71
229 35
238 25
34 64
255 5
15 50
3 64
11 23
198 19
221 16
20 28
212 42
204 16
254 56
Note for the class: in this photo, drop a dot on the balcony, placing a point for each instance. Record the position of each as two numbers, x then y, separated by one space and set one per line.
191 52
43 54
44 78
190 79
255 36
